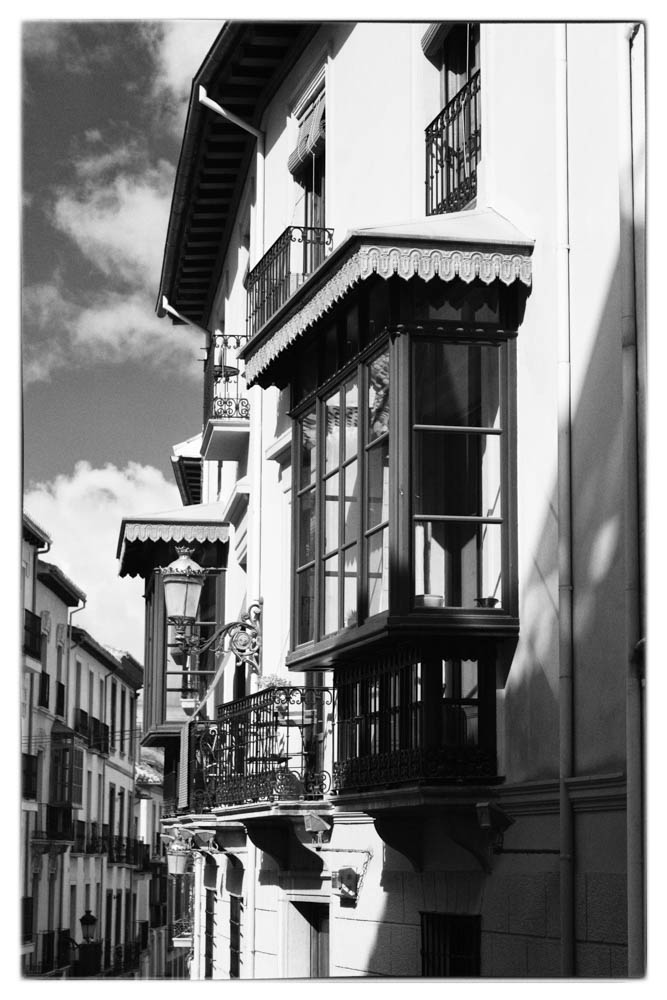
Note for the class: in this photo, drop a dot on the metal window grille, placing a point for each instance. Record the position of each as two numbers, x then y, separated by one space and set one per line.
235 915
450 945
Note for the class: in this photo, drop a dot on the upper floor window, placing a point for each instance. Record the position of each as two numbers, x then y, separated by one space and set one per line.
307 164
453 138
342 502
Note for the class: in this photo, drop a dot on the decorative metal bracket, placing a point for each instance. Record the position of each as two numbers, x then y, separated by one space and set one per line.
243 638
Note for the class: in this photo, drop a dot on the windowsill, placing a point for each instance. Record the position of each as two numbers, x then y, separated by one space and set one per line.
385 629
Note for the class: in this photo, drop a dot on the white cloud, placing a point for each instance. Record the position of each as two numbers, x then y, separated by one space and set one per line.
113 328
119 225
182 48
83 513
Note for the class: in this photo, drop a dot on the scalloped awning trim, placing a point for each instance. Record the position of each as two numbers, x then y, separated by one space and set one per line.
508 264
195 523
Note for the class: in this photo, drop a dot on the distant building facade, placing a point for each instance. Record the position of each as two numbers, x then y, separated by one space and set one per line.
84 854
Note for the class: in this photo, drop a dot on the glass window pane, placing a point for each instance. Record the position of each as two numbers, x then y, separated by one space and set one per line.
305 602
378 396
306 527
457 564
377 506
332 432
331 516
351 530
457 474
351 419
456 384
378 572
331 595
307 451
350 586
469 685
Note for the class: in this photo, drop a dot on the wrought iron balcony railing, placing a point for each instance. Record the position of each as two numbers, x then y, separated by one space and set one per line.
224 385
453 151
82 723
54 823
397 725
32 634
283 268
273 745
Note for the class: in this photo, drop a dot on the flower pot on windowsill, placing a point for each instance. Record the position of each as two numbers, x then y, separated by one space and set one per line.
430 601
486 602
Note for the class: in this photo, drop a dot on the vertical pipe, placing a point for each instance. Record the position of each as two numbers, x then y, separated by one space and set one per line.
631 179
565 578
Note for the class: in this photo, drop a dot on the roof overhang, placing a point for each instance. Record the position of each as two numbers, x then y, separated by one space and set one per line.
241 72
149 541
54 578
478 245
32 532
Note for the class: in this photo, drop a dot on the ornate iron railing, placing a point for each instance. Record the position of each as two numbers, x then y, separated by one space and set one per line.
453 151
391 732
273 745
224 385
32 634
283 268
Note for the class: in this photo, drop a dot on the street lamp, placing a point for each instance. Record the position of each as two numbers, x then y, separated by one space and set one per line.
88 923
183 580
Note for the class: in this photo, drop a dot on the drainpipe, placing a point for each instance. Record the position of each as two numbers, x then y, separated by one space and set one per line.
73 612
565 584
257 397
631 181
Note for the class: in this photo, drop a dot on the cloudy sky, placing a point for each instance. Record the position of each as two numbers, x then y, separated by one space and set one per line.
107 387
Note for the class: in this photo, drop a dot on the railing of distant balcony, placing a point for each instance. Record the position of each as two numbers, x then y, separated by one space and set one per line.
297 252
32 634
54 823
224 385
386 734
453 151
268 746
52 954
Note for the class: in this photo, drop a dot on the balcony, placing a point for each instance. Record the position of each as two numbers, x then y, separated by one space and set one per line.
81 723
453 151
32 634
98 736
29 776
54 823
282 270
226 406
399 725
79 845
271 746
181 933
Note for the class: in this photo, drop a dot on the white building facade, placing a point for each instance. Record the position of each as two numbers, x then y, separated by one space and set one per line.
416 254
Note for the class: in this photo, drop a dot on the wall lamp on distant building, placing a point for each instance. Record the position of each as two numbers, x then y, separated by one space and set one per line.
183 580
88 924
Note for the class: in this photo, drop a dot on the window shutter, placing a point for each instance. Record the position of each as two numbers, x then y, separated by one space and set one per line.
183 770
311 135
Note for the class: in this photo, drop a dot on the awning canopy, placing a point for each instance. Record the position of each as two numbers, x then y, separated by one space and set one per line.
311 136
149 540
473 245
